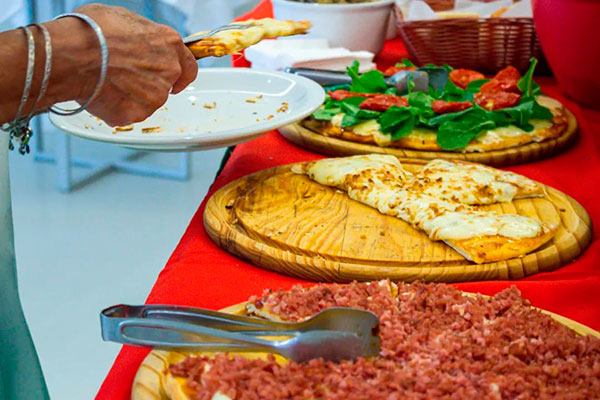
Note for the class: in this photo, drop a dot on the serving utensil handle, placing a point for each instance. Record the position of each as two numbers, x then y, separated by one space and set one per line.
321 76
178 335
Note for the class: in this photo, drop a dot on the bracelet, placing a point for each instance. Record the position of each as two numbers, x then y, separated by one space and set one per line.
30 70
47 67
18 129
104 51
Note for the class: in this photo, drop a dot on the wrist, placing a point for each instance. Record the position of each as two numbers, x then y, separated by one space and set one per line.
76 61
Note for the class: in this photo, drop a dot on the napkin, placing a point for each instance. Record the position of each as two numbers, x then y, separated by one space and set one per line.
276 55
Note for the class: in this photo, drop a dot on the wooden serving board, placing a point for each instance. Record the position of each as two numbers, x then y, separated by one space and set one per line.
148 383
331 146
289 224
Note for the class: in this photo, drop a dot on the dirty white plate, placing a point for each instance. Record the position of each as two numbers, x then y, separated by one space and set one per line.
222 107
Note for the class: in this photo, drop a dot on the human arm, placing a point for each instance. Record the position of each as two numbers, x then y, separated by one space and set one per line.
147 61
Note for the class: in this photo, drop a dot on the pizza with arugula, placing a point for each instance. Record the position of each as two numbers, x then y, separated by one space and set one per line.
461 112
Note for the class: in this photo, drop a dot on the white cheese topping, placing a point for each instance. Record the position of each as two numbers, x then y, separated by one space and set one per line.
470 183
460 225
380 182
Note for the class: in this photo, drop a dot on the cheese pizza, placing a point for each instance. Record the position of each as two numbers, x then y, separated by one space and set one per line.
436 343
235 40
437 201
464 113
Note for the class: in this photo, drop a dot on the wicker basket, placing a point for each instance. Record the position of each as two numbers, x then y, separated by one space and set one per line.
486 44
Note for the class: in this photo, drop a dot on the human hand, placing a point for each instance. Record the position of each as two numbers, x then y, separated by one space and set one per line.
147 61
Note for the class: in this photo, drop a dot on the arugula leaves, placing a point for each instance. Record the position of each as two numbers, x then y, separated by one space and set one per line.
397 122
454 130
369 82
526 84
326 114
453 135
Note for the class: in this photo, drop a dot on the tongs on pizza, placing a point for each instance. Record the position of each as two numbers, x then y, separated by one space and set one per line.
334 334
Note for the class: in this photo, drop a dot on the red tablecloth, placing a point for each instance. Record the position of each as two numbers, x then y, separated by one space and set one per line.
201 274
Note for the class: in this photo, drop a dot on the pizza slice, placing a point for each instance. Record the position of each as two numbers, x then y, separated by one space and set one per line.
480 236
235 40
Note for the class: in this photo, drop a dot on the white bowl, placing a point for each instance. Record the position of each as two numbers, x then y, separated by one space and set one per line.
360 26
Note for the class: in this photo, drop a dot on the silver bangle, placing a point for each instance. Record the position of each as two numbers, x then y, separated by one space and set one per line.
47 67
18 128
104 51
30 70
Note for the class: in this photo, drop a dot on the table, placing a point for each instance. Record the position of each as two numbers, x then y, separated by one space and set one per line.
200 274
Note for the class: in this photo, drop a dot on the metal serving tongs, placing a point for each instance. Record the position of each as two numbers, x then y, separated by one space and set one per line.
334 334
202 35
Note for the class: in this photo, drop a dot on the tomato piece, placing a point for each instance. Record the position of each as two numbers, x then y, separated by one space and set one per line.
506 80
344 94
395 69
508 74
496 101
383 101
462 77
444 107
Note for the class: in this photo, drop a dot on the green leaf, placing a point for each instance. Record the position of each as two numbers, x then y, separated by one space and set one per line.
521 114
350 120
351 106
324 114
454 93
540 112
453 135
526 84
473 112
475 86
407 63
333 88
397 122
420 100
369 82
410 84
391 90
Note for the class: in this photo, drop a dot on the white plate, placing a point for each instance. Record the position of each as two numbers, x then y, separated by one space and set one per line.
248 103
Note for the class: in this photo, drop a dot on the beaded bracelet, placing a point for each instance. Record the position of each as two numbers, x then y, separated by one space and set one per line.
104 51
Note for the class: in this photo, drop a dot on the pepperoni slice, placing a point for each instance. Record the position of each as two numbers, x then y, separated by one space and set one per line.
497 101
395 69
462 77
344 94
383 101
505 81
444 107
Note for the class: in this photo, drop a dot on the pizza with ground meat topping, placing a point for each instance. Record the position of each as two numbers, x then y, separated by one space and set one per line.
463 112
436 343
232 41
438 200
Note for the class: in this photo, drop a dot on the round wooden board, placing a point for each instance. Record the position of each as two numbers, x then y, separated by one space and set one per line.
331 146
289 224
148 383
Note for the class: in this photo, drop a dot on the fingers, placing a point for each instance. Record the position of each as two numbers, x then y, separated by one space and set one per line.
189 69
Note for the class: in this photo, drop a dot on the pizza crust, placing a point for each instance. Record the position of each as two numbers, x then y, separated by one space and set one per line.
486 249
426 139
235 40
